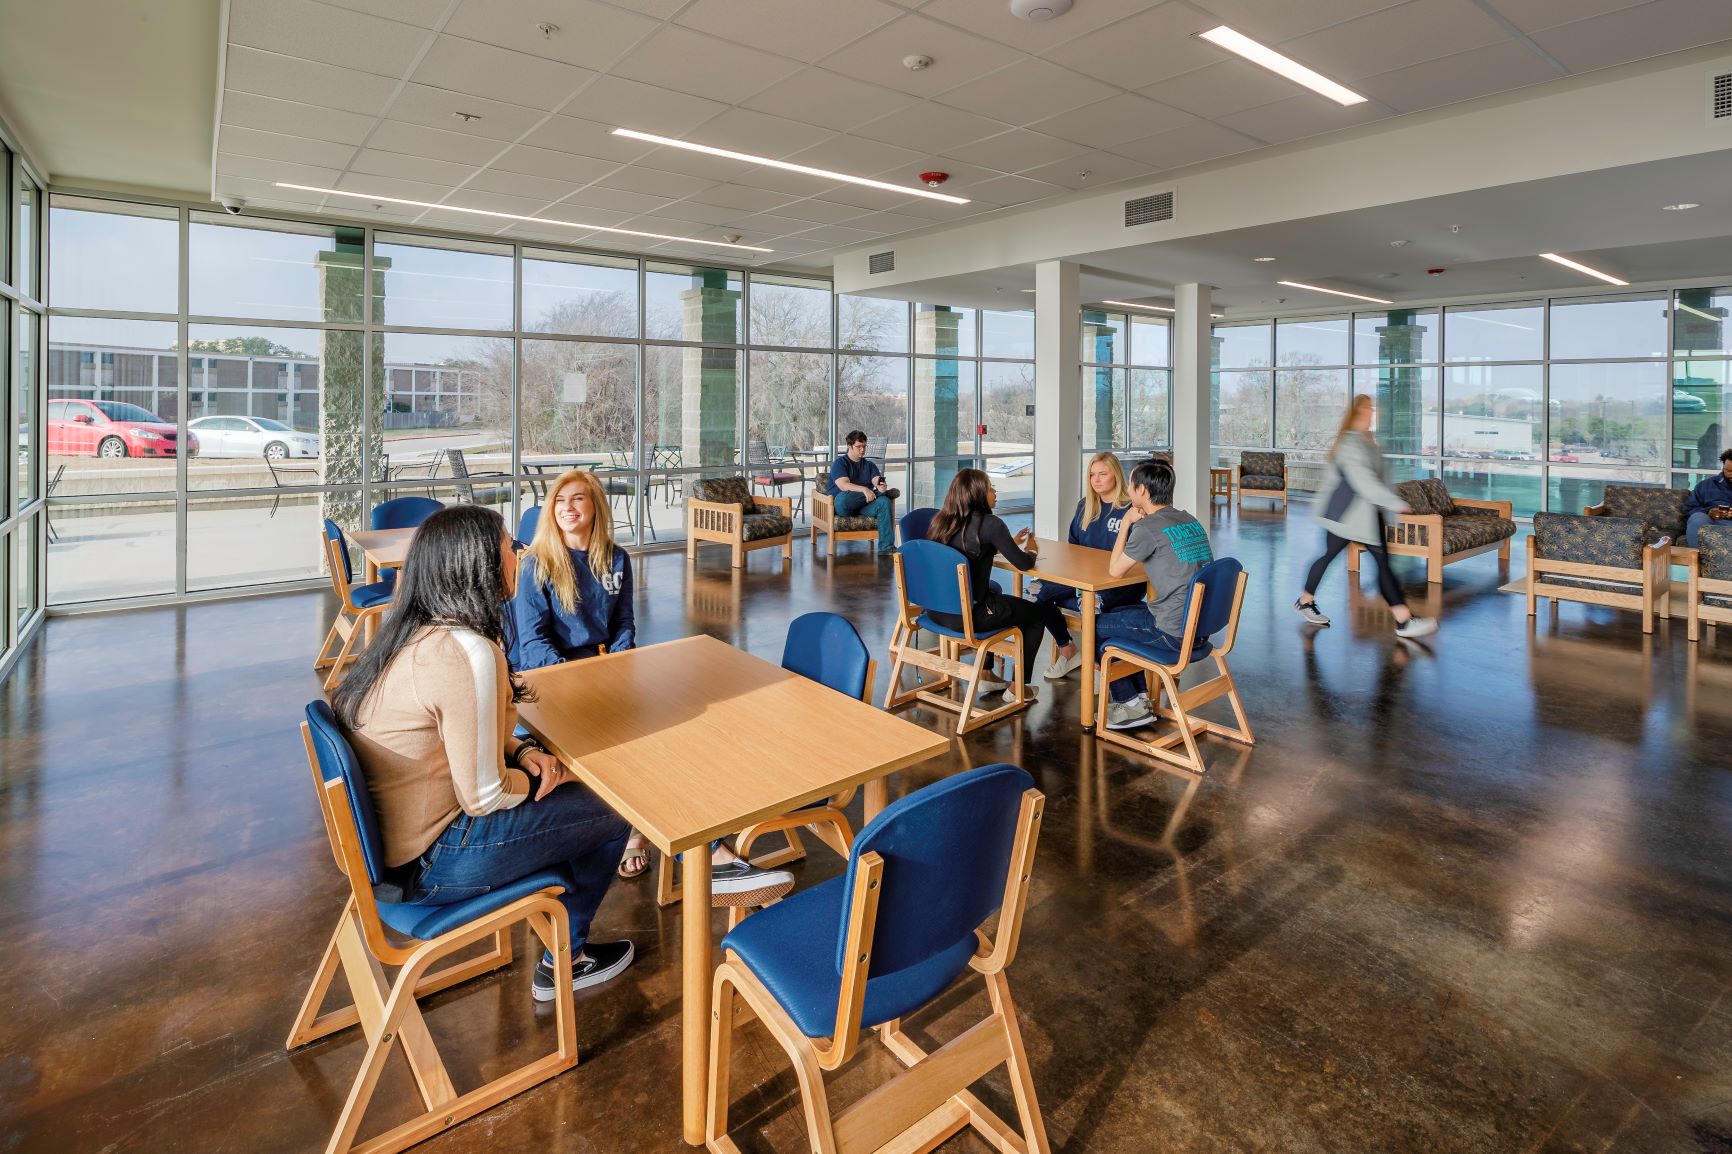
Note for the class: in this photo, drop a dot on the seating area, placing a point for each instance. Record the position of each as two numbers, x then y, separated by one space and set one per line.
1444 529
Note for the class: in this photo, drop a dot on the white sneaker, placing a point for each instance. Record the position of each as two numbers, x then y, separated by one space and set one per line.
1061 666
991 682
1129 714
1029 693
1416 627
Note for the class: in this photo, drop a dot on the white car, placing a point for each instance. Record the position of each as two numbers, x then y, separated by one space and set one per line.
252 437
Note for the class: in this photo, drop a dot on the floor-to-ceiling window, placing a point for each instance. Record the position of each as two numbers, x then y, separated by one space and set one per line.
1126 382
23 524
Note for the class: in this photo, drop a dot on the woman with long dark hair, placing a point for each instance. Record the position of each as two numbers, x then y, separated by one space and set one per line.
430 708
967 524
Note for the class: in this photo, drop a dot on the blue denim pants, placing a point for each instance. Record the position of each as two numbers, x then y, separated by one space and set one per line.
856 505
1132 623
1695 522
570 826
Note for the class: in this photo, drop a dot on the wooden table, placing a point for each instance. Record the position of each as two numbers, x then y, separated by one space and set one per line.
1220 482
693 739
1084 570
383 548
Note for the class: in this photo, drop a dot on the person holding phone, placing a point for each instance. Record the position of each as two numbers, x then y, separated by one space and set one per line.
1710 500
861 490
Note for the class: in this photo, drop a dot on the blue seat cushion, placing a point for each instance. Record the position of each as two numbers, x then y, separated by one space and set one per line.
377 593
424 920
1156 652
791 947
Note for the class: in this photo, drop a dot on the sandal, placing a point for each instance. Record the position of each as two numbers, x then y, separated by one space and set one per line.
636 858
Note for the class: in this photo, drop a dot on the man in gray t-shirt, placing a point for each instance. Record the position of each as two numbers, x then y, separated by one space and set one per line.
1171 545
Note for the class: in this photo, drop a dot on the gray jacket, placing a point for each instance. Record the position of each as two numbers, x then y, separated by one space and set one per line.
1358 465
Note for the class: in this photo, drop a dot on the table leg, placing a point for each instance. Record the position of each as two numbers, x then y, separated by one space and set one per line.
876 798
1087 605
695 994
371 570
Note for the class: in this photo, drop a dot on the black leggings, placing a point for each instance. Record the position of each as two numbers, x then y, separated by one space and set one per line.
1332 546
1028 617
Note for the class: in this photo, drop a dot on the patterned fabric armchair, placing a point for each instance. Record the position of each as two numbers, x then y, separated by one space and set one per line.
1263 475
1444 529
1662 510
824 519
1710 583
726 511
1598 561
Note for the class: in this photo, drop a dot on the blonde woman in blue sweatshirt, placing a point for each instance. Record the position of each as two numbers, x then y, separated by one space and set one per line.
574 599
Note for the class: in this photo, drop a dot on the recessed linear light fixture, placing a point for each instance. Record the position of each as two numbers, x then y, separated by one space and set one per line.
1333 292
1262 259
377 199
1151 308
1582 268
1681 206
1266 57
1707 316
786 166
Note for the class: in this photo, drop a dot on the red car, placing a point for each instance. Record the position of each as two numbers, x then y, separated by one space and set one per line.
111 429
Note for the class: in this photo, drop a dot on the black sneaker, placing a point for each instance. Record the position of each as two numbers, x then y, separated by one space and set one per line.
893 494
740 883
600 962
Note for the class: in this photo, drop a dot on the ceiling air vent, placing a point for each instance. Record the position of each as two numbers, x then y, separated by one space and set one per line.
1149 209
881 262
1720 97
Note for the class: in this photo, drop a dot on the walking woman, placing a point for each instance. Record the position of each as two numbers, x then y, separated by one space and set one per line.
466 806
1354 495
1095 526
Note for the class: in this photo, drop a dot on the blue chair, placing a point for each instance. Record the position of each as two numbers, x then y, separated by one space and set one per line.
357 605
1212 607
404 512
871 947
419 935
526 526
914 525
933 578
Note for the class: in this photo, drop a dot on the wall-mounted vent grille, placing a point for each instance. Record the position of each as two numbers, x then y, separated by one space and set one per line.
1720 98
881 262
1149 209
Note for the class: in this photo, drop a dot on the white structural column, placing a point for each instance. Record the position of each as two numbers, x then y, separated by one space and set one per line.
1057 397
1192 337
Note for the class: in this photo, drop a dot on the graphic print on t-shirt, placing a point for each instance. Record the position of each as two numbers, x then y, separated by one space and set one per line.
1190 542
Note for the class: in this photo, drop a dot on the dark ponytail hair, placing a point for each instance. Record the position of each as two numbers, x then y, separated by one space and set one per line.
454 575
966 500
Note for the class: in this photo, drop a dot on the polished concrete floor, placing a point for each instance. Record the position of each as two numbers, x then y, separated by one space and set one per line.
1469 897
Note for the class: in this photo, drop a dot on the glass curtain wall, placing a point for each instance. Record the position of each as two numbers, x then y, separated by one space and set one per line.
1126 382
23 513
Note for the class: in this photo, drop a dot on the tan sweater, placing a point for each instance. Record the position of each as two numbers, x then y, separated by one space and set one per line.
432 738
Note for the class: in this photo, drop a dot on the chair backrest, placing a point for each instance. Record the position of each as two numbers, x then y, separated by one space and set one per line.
929 576
404 512
826 648
526 525
916 522
334 536
1664 509
337 761
1219 580
1612 541
1714 550
1253 463
876 447
946 851
459 464
757 452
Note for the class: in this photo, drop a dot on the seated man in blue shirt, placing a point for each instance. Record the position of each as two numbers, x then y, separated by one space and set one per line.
1710 500
860 490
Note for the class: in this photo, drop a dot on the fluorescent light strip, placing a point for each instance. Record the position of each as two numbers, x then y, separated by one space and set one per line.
1152 308
1264 56
1581 268
1334 292
786 166
530 219
1707 316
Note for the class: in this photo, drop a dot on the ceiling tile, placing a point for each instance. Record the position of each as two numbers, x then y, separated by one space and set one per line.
521 184
1191 144
819 211
1229 86
1027 91
741 130
802 29
375 162
613 199
688 61
839 234
1016 150
438 108
469 66
588 35
772 224
1638 33
1148 47
790 184
859 157
568 167
1272 23
672 185
278 146
1113 121
267 169
890 222
290 78
316 31
366 182
1466 75
829 99
655 9
419 140
1013 190
586 138
1299 116
930 128
995 21
247 110
743 198
1533 15
1395 38
1101 167
571 212
957 57
698 211
694 163
496 201
421 13
622 103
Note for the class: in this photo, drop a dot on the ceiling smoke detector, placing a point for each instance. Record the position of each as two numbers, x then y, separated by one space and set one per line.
917 63
1039 9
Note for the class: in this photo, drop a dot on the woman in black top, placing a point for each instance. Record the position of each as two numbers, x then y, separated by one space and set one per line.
967 524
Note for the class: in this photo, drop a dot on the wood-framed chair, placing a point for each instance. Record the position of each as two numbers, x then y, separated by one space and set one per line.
1216 597
725 511
865 950
357 605
1262 474
1709 566
372 934
1443 528
933 578
1599 561
837 528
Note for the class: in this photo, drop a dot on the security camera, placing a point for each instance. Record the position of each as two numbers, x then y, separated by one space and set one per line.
232 205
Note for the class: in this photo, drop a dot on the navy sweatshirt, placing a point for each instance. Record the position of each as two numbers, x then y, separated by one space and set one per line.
547 635
1101 534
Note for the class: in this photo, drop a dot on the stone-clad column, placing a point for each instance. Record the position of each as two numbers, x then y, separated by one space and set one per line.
343 393
710 377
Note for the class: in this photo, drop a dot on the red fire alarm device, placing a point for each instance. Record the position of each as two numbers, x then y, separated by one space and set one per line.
980 430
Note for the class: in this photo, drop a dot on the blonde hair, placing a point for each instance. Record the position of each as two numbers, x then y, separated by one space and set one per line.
552 559
1353 406
1092 499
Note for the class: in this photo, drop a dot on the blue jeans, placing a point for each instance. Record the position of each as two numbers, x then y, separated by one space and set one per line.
1132 623
570 826
1696 521
856 505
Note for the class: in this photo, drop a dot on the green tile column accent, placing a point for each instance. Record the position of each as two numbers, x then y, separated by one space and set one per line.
343 398
1401 407
709 377
1098 341
937 411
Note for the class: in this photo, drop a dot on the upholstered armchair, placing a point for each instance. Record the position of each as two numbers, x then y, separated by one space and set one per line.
1710 582
1443 529
724 510
1263 474
825 520
1661 510
1598 561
